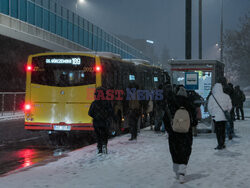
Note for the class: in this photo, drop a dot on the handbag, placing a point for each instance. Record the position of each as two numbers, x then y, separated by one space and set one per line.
226 113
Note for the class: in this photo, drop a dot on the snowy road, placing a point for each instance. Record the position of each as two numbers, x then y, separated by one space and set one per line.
20 148
145 163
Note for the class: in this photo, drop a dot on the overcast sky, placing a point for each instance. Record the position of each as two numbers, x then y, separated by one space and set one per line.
163 21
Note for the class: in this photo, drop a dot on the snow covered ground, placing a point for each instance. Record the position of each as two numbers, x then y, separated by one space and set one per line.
10 115
144 163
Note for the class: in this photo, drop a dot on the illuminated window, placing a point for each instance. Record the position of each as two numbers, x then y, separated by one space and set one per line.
131 77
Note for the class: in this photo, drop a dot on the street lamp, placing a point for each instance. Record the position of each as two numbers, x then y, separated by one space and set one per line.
221 34
80 2
150 41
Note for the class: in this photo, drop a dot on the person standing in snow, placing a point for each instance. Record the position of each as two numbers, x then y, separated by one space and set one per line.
218 103
101 111
229 90
180 144
134 113
159 112
240 99
196 100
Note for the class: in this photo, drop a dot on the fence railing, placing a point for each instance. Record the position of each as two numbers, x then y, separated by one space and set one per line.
11 102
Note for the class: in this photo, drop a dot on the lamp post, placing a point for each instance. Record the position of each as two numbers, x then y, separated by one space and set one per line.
221 34
200 29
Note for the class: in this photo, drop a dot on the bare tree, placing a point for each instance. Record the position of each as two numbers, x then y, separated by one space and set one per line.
165 56
237 52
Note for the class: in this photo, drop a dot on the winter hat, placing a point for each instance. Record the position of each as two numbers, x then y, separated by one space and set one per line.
182 92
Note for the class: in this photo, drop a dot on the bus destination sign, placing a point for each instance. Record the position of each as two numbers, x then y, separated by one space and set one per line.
73 61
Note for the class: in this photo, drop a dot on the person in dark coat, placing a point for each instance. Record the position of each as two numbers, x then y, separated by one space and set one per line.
102 112
169 109
180 144
135 111
229 90
159 112
233 97
196 101
239 100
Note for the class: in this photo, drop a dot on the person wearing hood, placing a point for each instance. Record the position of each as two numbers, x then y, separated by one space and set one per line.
180 144
219 102
102 112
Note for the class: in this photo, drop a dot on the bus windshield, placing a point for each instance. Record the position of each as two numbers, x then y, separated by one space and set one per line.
63 70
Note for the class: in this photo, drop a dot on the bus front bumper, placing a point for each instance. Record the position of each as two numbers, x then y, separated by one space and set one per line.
59 127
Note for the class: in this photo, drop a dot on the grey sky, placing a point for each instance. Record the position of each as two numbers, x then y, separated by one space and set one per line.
164 21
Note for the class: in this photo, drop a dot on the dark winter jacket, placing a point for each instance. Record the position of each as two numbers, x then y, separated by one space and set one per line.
195 98
180 144
169 97
101 111
185 102
239 97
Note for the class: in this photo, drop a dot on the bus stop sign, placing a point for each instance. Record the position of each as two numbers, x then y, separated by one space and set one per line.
191 80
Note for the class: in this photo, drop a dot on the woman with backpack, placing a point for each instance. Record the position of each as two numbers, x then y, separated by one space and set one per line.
218 104
180 134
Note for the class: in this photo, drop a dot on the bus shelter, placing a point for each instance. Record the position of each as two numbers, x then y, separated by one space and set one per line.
208 73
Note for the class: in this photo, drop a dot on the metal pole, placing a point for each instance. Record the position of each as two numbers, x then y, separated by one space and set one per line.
2 104
200 29
188 29
221 34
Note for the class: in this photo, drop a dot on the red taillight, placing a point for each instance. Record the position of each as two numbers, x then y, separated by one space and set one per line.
27 107
98 68
29 68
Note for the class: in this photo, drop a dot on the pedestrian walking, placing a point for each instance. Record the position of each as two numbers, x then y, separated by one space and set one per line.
180 134
219 106
102 112
240 99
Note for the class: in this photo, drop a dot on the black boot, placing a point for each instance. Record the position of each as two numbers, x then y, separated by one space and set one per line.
99 148
104 149
219 147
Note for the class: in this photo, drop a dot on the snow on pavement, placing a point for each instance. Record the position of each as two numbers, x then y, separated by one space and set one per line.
11 115
144 163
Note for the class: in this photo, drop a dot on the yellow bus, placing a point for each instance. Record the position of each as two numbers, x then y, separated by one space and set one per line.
60 88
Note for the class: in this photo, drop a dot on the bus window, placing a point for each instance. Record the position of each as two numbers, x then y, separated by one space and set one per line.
131 77
155 79
63 71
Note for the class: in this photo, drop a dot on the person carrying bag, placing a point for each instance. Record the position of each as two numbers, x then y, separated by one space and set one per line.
219 106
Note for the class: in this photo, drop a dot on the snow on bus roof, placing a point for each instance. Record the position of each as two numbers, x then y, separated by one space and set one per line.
137 61
101 54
